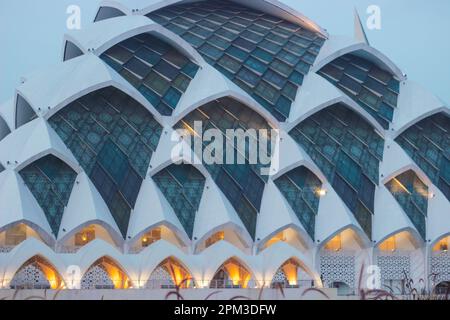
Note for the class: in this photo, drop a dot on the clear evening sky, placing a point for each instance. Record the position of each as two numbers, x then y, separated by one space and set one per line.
414 34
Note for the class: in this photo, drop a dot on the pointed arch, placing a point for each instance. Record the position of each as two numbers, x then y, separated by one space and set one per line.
24 113
115 149
170 273
229 232
415 239
44 236
243 185
361 238
233 273
4 128
348 151
182 185
371 87
430 157
15 233
105 273
107 12
50 180
291 234
274 77
87 232
37 273
445 239
160 72
152 234
412 194
301 188
293 273
71 51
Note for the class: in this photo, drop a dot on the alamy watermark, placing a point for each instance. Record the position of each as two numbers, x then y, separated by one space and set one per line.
234 146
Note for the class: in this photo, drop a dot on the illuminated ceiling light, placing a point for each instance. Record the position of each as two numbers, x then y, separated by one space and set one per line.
321 192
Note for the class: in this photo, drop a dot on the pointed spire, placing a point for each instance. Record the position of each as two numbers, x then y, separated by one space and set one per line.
360 34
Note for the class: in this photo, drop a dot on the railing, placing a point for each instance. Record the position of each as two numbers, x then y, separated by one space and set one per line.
164 284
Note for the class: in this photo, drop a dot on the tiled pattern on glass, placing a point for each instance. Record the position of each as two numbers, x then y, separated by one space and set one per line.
113 138
428 144
160 72
300 187
264 55
348 151
242 184
50 181
182 185
374 89
412 195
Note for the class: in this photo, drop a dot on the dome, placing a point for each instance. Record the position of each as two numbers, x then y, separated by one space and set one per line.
108 177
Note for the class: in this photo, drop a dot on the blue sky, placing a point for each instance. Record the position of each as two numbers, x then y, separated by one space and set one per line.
414 34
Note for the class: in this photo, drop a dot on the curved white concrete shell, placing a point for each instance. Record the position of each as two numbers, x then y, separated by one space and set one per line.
245 225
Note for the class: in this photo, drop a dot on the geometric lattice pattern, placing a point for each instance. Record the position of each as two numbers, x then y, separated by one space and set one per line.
264 55
96 278
300 187
394 266
113 138
36 273
348 151
374 89
157 70
30 277
50 181
160 278
242 184
104 274
182 185
337 267
428 144
412 195
440 267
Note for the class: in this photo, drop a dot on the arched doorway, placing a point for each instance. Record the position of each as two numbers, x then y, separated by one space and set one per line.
170 273
393 256
291 274
36 273
105 274
232 274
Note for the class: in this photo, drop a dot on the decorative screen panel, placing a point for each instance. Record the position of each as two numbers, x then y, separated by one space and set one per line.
182 185
300 188
264 55
159 71
242 184
374 89
348 151
113 138
428 144
50 181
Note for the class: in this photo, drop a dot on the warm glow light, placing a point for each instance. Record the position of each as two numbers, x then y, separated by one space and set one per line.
117 276
321 192
388 244
442 245
51 276
334 244
290 270
399 186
